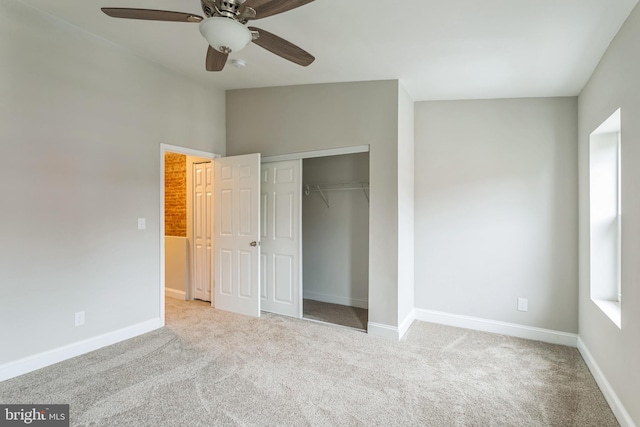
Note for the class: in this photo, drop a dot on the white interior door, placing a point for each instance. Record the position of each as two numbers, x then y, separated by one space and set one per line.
202 230
236 234
281 212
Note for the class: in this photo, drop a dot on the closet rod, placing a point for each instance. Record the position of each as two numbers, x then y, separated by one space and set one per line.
322 188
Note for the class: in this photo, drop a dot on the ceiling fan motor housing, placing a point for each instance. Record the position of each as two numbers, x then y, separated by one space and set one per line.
228 8
225 34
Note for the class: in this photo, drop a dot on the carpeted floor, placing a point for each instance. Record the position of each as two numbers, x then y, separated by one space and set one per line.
211 368
352 317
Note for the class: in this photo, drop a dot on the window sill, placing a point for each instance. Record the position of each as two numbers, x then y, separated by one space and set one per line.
611 309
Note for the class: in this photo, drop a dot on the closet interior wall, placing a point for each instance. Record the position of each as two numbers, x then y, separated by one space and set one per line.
335 231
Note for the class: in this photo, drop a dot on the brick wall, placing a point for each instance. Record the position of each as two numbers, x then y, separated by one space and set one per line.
175 195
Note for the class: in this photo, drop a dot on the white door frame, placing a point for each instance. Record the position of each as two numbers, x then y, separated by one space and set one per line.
317 153
166 148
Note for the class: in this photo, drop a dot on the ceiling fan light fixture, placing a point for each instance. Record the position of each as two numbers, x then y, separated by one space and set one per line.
224 34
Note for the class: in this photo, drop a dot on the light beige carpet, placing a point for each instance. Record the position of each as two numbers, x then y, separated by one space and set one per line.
210 368
352 317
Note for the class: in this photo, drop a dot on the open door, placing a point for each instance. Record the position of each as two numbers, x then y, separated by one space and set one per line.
236 234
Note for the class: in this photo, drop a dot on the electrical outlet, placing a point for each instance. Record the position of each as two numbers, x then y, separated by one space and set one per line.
523 304
79 318
142 223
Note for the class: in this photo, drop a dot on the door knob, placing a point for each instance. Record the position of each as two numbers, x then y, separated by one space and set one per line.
254 243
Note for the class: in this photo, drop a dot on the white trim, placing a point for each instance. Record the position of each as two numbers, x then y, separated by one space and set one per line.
164 148
383 331
47 358
174 293
406 323
609 393
611 309
317 153
187 151
498 327
334 299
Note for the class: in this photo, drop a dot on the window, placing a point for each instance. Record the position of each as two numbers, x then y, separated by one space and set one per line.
605 217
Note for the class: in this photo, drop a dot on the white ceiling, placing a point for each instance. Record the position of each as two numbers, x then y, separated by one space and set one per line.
439 49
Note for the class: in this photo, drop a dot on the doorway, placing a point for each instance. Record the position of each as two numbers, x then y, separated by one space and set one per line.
177 221
188 227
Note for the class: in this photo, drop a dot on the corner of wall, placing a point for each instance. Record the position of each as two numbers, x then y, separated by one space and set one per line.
406 323
392 332
406 208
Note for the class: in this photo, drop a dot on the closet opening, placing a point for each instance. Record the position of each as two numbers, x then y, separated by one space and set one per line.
335 239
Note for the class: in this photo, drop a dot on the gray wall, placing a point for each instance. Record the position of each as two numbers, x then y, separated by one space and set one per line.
81 122
496 209
335 239
615 84
306 118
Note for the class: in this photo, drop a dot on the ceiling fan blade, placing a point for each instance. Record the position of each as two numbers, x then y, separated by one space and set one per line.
215 60
266 8
282 48
151 15
246 12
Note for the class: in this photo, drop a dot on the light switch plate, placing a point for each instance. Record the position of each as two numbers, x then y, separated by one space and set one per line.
142 223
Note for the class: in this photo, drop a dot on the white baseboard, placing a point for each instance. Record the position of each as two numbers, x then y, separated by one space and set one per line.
333 299
41 360
391 332
610 395
174 293
406 323
498 327
383 331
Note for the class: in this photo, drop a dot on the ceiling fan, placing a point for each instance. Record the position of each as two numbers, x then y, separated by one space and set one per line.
225 27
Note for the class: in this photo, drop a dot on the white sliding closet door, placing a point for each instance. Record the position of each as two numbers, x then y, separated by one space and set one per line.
281 258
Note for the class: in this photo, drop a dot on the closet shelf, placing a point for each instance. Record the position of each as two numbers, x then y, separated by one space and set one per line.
325 188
